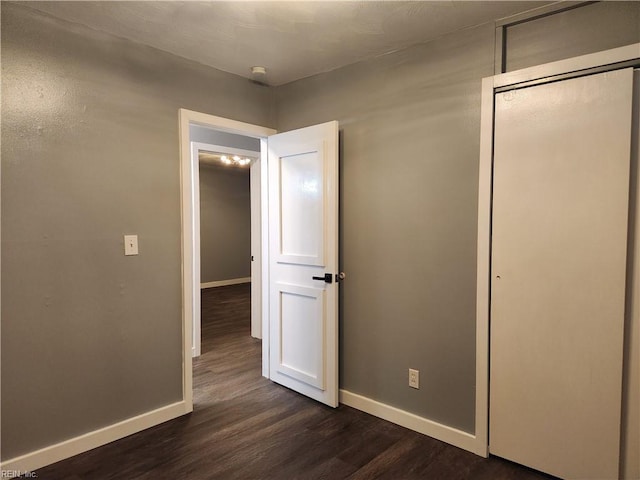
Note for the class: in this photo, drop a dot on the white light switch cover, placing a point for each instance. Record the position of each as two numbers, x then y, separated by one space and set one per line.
131 244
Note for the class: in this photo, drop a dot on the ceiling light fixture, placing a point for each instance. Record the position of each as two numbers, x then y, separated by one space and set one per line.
235 160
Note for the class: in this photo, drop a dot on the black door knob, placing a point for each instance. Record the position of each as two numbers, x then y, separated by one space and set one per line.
328 278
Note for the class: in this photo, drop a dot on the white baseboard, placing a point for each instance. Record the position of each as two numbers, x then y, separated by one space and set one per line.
224 283
54 453
450 435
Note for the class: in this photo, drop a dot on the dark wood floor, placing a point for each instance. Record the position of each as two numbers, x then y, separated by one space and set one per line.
245 427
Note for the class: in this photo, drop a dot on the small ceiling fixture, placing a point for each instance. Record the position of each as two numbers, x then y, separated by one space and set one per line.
259 75
235 160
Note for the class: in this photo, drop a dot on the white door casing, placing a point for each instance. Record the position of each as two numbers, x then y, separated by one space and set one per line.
190 283
303 243
559 246
256 250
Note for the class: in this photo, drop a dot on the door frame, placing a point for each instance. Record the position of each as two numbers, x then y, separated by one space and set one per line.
256 323
191 284
607 60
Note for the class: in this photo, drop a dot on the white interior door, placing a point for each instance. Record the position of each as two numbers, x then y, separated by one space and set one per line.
559 246
303 244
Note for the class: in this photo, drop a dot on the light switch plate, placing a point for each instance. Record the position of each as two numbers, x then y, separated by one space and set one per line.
131 244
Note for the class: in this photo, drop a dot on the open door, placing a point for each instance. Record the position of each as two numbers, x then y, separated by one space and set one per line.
303 261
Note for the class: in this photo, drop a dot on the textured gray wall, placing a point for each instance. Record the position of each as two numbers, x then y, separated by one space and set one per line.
225 223
587 29
90 153
410 147
410 125
198 133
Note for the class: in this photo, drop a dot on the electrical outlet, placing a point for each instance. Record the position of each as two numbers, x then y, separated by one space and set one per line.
414 378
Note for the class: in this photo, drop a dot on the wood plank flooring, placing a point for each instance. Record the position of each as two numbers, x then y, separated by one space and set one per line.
246 427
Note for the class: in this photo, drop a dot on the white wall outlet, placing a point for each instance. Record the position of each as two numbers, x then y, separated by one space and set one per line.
131 244
414 378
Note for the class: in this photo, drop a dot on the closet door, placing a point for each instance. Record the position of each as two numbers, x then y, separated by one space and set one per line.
559 245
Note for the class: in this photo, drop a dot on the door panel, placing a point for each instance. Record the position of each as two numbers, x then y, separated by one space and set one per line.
302 325
303 243
560 213
302 203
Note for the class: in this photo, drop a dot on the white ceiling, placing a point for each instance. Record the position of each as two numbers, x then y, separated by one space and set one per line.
293 39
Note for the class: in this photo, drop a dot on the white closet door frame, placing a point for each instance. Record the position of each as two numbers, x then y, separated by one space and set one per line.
574 67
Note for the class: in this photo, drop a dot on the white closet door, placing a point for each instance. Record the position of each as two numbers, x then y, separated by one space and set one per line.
559 245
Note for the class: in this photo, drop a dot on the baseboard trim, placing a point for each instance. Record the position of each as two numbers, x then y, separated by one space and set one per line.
83 443
450 435
224 283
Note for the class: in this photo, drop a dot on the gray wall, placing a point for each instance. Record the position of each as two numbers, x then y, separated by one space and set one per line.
587 29
410 145
201 134
90 153
409 180
225 223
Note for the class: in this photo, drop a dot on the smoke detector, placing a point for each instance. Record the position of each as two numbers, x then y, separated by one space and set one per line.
259 75
260 71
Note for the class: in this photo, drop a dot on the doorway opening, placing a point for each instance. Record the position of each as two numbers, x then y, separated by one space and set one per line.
227 223
298 253
198 131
